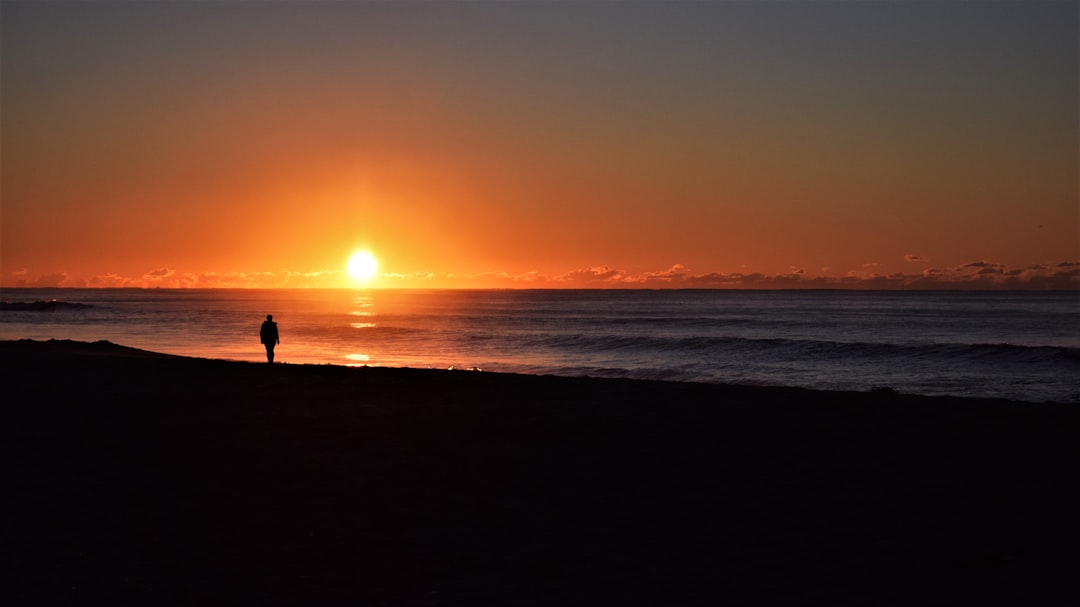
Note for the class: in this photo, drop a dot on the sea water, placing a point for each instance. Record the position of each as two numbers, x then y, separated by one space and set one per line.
1018 345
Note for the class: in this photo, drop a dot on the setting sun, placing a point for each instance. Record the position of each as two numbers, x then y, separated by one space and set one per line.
362 266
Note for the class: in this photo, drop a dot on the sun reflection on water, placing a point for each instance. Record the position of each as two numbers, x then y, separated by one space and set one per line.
362 302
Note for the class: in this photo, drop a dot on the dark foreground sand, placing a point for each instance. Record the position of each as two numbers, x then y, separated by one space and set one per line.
147 479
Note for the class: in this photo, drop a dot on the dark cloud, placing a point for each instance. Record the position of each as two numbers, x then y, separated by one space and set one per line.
1073 272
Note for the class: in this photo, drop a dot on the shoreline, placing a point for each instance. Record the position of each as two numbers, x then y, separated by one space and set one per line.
143 477
68 347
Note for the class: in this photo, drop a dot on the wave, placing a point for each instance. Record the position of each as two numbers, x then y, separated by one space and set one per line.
814 349
674 321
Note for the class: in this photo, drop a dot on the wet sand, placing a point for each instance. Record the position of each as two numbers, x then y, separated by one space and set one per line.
139 478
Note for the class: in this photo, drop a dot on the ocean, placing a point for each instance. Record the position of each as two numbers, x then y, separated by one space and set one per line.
1016 345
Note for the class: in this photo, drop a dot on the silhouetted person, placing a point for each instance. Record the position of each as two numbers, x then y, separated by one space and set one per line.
268 335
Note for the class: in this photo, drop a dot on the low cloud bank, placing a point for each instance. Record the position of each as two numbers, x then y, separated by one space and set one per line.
982 275
974 275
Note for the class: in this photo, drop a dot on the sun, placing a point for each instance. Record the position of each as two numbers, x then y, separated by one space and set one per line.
362 266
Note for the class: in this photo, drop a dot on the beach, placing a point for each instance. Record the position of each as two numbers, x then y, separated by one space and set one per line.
143 478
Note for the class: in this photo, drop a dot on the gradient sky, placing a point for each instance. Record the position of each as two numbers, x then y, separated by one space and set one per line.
754 144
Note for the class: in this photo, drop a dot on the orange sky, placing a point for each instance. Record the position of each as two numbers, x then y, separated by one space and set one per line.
540 145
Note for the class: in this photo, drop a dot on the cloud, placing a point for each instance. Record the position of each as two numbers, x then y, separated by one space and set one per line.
980 270
981 274
260 280
158 275
111 281
21 279
915 258
982 266
973 275
171 279
675 274
596 276
49 280
421 276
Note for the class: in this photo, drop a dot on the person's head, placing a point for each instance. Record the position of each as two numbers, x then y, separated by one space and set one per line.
269 317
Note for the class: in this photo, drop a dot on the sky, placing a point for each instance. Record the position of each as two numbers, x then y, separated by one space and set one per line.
856 144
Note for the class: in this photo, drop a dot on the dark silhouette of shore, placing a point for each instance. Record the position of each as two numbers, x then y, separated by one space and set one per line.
143 478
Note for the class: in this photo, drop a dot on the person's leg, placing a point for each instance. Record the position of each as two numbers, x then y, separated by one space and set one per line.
269 353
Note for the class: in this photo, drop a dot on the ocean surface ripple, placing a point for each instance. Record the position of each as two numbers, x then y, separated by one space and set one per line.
1017 345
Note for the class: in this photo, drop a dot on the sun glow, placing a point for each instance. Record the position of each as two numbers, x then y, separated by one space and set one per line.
362 266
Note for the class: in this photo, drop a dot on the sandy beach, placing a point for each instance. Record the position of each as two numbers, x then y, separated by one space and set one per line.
141 478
